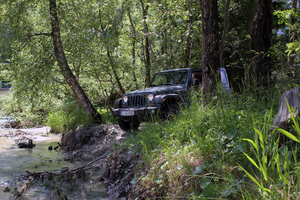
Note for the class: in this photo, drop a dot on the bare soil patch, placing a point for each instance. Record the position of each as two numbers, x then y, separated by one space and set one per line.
92 142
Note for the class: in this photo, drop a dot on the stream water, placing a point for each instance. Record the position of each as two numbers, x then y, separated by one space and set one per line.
15 161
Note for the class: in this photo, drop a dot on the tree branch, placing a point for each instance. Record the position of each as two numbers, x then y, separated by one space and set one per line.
39 34
148 35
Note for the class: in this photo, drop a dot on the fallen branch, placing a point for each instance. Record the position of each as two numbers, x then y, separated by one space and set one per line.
72 170
77 168
22 132
24 187
34 173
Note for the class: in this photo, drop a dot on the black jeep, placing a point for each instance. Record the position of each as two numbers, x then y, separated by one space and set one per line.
167 90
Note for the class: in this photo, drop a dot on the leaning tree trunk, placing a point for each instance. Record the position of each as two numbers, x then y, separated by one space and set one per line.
210 47
65 69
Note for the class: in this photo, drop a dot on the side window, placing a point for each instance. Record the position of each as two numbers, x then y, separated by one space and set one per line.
159 79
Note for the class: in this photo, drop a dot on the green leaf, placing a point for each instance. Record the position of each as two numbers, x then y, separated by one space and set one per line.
289 135
261 138
252 142
228 192
295 122
254 180
263 169
252 161
199 169
277 160
133 181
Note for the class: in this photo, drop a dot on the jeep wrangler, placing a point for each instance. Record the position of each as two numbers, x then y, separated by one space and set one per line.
166 92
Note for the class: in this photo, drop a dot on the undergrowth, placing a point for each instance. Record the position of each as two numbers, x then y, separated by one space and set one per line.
23 109
197 155
65 115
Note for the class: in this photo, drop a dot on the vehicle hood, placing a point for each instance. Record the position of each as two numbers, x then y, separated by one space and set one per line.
164 89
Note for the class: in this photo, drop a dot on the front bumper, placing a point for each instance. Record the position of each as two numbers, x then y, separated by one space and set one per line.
141 114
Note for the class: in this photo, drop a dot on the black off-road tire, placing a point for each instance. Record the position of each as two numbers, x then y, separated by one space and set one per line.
169 111
128 125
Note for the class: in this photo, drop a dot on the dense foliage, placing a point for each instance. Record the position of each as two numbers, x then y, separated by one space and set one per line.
104 43
111 46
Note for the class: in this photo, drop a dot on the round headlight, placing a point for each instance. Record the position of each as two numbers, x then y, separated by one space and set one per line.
150 97
125 99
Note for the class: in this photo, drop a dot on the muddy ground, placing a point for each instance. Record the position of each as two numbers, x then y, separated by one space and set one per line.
91 144
100 140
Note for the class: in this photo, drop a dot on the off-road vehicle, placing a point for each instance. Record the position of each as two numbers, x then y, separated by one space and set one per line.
166 92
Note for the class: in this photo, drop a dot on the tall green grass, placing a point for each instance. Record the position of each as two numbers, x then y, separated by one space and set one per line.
198 154
277 175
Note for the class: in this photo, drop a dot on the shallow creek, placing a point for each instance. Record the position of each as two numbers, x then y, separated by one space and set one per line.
15 161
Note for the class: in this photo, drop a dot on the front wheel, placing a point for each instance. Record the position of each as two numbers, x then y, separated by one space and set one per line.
128 125
169 111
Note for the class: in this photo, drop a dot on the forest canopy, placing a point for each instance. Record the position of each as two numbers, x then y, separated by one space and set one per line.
112 47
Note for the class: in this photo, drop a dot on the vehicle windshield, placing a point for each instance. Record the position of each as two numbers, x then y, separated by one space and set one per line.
169 78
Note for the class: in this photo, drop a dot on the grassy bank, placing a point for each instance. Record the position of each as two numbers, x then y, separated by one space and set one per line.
207 153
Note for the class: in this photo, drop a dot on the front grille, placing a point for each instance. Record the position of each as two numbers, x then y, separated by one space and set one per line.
137 101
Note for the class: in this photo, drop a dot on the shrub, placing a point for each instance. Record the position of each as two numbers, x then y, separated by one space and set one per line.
66 116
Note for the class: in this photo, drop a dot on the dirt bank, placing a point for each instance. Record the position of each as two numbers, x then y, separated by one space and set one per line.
95 141
92 142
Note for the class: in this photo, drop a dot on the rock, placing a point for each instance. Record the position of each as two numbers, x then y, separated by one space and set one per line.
64 170
29 144
283 115
16 124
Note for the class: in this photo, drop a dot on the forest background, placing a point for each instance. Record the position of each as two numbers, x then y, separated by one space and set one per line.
66 60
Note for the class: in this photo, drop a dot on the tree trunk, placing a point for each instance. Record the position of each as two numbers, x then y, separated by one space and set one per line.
114 71
262 40
147 45
133 50
165 49
189 38
110 58
226 27
210 47
77 75
65 69
147 62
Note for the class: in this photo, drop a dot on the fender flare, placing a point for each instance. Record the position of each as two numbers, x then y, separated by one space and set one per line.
118 103
159 99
